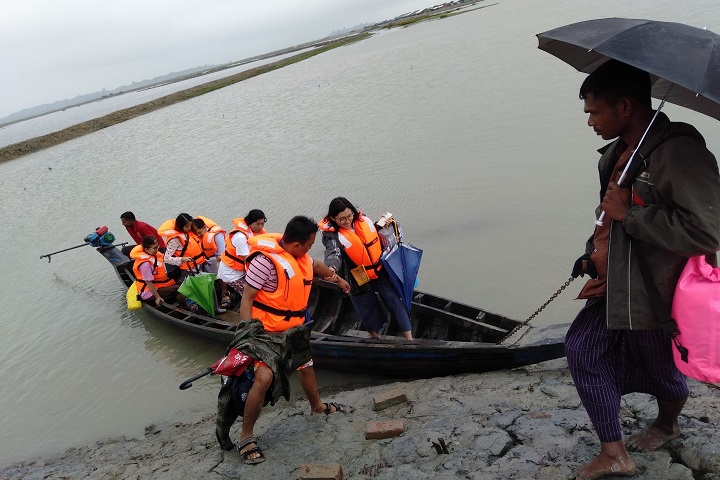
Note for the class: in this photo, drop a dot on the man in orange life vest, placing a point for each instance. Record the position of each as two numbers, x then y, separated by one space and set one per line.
279 301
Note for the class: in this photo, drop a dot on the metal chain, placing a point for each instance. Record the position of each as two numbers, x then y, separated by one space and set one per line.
535 314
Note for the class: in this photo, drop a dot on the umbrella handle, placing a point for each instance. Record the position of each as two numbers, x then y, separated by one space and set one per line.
188 383
599 221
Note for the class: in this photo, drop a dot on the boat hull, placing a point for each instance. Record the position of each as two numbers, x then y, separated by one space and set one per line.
452 338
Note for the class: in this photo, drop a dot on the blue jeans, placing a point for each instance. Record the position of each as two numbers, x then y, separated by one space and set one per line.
370 311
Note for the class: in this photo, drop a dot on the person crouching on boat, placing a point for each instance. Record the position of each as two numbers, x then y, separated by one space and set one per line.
353 249
152 281
183 247
278 280
138 230
231 268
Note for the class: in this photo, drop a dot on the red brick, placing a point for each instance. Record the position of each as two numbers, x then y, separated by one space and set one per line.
331 471
389 398
378 430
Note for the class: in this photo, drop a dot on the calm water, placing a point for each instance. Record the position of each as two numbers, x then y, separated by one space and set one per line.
473 138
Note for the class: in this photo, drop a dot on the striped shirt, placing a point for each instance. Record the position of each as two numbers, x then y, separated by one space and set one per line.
261 274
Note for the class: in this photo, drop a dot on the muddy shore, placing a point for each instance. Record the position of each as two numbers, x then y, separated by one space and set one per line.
517 424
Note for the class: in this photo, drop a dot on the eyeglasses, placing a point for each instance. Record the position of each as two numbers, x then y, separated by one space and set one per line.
346 218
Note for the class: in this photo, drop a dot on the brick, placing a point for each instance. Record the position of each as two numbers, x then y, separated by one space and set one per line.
332 471
389 398
378 430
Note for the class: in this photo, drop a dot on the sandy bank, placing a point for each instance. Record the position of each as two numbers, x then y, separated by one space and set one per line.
520 424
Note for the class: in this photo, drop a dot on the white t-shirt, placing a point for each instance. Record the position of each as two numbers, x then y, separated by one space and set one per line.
229 274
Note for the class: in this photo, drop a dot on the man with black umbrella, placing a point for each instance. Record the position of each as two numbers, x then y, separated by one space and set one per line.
668 210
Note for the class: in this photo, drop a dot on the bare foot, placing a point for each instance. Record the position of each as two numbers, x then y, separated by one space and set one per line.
651 438
603 464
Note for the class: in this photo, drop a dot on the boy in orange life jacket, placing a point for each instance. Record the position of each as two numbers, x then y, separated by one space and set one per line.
212 241
279 302
231 268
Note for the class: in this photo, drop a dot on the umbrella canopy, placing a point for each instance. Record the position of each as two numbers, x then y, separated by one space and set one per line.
402 263
201 290
683 61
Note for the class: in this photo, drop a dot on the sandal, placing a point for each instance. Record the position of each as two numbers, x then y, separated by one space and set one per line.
247 459
339 408
225 300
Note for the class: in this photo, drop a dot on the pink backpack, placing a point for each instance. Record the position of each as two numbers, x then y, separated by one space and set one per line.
696 309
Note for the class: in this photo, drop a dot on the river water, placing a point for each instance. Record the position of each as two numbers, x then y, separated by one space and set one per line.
472 137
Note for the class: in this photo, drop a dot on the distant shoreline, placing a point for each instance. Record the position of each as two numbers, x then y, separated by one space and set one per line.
25 147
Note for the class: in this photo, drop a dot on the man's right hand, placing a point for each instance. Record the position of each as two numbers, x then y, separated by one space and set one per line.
584 265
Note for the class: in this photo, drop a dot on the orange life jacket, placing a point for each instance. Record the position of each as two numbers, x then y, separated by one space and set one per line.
208 243
362 245
230 256
160 278
190 243
286 306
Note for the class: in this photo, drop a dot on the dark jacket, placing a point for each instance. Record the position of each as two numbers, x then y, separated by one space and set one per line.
335 257
680 187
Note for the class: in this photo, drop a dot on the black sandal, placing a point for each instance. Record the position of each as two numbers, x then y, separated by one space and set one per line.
254 450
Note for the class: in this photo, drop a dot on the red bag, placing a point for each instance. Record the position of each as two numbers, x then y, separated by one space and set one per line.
234 364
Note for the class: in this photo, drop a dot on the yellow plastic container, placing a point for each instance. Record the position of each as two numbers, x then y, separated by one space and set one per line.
132 298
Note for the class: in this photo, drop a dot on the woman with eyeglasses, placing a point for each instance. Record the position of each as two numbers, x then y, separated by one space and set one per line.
353 249
151 278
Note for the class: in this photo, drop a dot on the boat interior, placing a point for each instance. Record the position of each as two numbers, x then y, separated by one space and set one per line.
432 317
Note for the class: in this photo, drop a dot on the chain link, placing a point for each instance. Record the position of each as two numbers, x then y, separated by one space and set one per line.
535 314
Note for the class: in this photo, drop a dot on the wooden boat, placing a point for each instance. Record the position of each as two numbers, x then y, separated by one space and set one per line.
451 337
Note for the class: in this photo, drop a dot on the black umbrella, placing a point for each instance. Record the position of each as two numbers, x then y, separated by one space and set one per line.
683 61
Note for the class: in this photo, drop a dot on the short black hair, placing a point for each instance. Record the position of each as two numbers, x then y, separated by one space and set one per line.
614 80
336 207
149 241
128 216
182 220
299 229
198 222
254 215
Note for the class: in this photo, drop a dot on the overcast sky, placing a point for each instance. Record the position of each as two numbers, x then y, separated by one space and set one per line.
57 49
